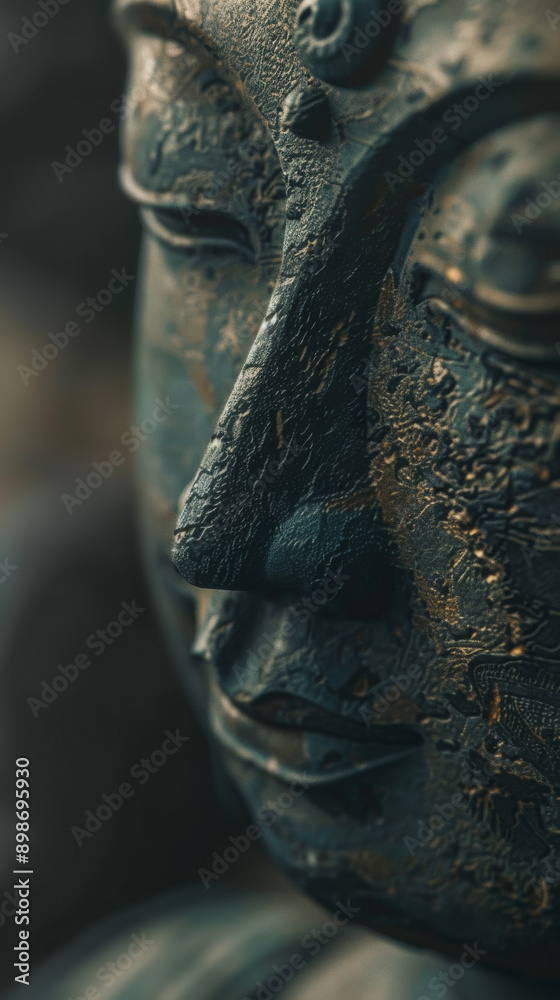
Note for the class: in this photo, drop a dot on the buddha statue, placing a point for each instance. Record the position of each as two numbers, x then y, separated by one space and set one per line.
350 292
349 298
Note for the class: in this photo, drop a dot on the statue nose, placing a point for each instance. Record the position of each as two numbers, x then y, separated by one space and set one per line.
240 545
316 546
283 495
275 502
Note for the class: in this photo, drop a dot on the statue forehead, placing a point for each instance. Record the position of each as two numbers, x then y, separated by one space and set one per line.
444 44
445 48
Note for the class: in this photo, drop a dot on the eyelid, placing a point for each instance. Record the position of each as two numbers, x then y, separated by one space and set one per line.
529 305
505 330
150 199
201 231
213 232
174 220
486 294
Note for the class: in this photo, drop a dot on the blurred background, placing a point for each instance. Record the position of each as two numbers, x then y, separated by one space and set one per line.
60 239
64 575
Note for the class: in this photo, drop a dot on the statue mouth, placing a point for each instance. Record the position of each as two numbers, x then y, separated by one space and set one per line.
293 753
291 695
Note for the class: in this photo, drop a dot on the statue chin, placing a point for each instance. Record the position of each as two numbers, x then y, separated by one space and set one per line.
349 302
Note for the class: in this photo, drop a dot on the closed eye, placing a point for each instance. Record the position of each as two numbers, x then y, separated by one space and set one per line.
500 326
198 231
487 249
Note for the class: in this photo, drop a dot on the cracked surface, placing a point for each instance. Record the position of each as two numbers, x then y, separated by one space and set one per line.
360 330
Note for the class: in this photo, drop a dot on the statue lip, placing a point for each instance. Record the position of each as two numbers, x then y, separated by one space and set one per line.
294 754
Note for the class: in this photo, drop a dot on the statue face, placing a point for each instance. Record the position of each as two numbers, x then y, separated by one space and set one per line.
349 295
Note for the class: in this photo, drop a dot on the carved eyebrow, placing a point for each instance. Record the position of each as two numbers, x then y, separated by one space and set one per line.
516 99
